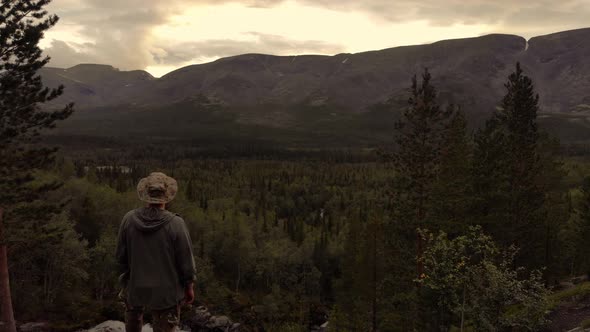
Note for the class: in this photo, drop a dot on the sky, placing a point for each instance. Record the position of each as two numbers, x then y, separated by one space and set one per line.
160 36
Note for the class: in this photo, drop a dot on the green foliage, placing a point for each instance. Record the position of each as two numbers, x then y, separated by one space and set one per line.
517 175
578 291
419 142
22 120
475 281
50 272
452 189
21 93
281 244
283 275
103 277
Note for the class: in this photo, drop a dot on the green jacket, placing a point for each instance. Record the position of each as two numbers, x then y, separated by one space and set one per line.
155 258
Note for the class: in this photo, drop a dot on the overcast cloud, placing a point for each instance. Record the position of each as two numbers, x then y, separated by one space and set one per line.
264 44
120 32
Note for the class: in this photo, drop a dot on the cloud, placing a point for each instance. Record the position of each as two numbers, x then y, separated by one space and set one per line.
63 55
262 43
449 12
114 31
120 32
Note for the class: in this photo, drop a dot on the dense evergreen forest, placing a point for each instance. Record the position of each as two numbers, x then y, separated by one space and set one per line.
443 230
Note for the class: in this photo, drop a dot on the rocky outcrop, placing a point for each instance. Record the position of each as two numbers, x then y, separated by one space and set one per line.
116 326
204 321
201 321
34 327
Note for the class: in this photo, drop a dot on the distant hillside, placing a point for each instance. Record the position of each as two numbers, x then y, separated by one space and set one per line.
330 97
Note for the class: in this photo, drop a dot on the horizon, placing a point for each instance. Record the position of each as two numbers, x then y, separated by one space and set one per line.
160 74
161 37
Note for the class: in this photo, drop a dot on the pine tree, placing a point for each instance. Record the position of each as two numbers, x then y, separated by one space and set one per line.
452 189
509 170
583 227
21 118
419 141
353 287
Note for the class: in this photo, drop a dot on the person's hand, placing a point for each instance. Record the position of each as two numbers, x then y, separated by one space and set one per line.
189 294
122 296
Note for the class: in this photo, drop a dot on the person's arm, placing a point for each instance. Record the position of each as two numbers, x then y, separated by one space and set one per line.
185 262
121 254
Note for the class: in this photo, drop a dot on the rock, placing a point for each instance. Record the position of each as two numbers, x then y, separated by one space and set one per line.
580 279
217 322
577 329
321 328
109 326
202 315
34 327
204 321
116 326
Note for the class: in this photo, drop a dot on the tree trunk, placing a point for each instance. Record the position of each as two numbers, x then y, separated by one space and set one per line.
374 304
7 323
463 309
238 279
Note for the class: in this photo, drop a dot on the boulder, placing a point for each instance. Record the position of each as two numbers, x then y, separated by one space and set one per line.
204 321
219 322
116 326
109 326
34 327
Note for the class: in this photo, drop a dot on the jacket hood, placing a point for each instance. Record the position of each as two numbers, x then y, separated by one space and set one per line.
149 219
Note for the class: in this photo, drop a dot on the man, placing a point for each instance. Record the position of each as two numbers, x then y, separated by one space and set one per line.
154 253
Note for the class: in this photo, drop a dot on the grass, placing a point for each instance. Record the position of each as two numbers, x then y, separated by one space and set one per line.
580 290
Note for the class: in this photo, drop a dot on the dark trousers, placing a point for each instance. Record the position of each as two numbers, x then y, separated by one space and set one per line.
162 320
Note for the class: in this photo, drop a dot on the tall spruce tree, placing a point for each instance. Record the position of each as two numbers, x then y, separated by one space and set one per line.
452 188
508 171
420 136
582 218
22 25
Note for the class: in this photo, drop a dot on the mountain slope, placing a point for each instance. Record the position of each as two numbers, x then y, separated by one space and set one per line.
330 93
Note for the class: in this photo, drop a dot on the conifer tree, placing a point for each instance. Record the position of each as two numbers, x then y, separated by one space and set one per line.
419 141
582 219
354 287
509 171
420 137
452 188
21 118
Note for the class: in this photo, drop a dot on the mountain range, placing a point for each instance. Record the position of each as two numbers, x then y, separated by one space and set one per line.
345 99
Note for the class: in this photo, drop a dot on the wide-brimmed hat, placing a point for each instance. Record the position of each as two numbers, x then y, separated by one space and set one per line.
157 188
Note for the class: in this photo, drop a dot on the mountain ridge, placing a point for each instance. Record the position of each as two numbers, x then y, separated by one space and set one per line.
305 90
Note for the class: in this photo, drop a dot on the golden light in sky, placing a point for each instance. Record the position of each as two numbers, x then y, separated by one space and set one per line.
354 31
203 31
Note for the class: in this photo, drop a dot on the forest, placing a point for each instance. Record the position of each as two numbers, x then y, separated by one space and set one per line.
446 229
